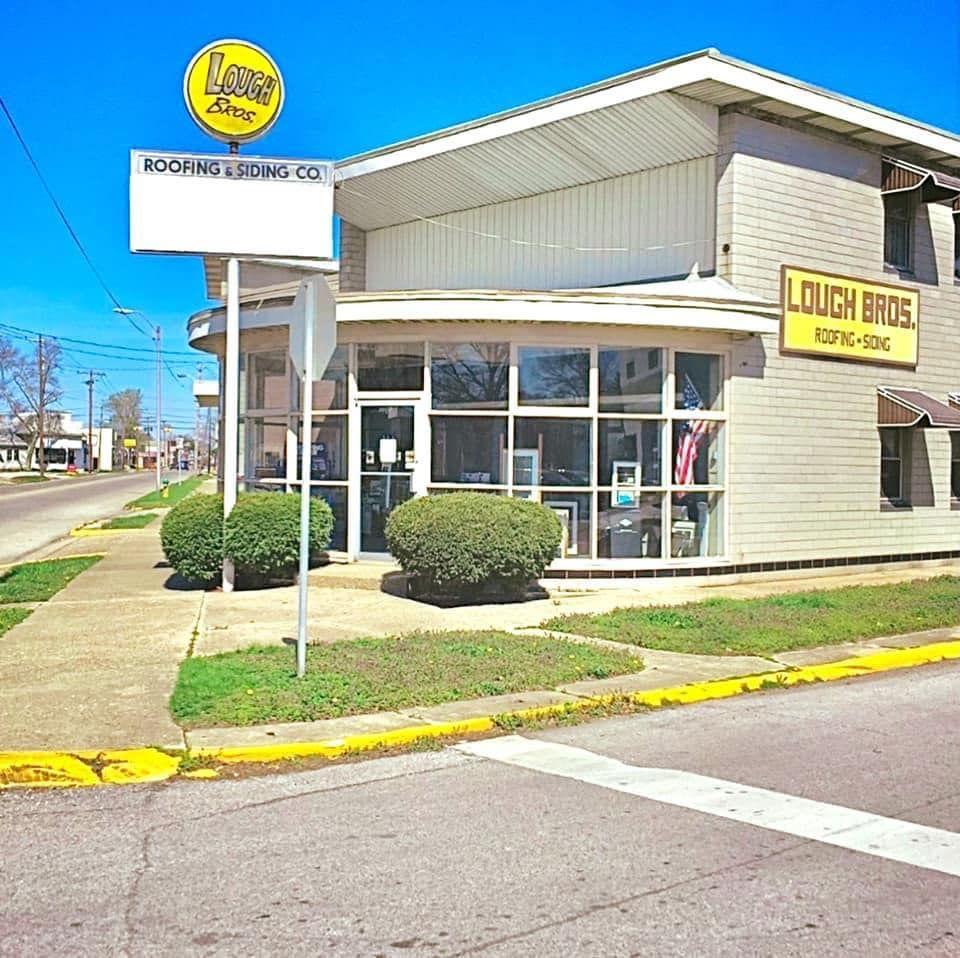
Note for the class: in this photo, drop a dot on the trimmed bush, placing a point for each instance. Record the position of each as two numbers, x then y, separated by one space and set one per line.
262 533
192 537
467 543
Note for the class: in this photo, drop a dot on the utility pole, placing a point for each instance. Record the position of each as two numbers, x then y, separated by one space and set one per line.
90 383
41 401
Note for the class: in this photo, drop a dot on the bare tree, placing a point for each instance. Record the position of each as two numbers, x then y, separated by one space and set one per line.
29 388
126 411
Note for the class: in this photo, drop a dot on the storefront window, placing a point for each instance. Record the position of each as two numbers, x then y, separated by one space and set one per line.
630 452
330 389
328 451
699 381
390 367
697 452
552 452
469 375
631 380
696 525
554 375
629 526
266 380
266 449
573 511
336 498
469 450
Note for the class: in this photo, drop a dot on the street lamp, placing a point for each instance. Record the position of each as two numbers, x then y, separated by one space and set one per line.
124 311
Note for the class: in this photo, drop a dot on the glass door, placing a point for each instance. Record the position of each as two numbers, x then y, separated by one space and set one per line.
388 461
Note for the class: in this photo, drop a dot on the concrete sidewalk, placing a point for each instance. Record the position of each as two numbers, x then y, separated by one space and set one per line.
95 665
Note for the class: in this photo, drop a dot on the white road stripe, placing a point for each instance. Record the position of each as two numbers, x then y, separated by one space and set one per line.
859 831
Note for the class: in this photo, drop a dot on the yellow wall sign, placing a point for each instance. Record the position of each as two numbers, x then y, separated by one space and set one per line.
233 90
129 443
842 317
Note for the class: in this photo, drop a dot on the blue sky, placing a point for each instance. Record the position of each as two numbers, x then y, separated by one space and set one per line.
87 82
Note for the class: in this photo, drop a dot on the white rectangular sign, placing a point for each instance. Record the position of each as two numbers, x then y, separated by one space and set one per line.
230 204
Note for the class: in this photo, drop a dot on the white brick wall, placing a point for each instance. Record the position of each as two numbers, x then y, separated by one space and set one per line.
804 450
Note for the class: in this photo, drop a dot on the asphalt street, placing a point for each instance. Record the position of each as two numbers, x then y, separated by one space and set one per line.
34 515
447 853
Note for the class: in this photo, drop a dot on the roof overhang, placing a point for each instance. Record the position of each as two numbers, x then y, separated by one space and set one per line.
261 275
659 114
911 407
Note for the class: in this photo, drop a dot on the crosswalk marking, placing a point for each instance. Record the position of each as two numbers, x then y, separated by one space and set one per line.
850 828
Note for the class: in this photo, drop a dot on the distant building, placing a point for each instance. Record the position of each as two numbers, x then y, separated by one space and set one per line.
64 447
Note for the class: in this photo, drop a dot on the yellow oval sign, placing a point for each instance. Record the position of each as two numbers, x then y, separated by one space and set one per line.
233 90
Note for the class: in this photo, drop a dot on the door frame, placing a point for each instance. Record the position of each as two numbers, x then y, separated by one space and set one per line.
419 476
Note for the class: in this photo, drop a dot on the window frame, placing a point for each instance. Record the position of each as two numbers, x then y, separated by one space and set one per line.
909 222
903 459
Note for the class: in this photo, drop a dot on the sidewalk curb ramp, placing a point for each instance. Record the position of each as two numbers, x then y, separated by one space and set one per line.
144 765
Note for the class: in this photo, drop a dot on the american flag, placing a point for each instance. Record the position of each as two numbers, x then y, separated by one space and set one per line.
692 432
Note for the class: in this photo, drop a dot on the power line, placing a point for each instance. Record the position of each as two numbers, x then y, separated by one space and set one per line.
63 216
90 342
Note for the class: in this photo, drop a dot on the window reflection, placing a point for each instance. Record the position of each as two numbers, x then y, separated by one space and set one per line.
267 380
629 528
696 524
330 389
328 449
630 452
382 367
631 380
470 375
552 452
266 449
699 381
468 450
553 375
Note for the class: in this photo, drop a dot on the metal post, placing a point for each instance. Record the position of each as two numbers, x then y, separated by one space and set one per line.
306 468
41 403
231 404
158 430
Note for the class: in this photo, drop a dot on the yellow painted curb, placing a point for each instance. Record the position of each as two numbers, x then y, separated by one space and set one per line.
124 766
87 767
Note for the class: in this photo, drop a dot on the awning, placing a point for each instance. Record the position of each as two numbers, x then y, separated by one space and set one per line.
899 176
911 407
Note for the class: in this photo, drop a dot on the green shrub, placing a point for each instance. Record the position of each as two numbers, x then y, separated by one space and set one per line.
466 543
262 533
192 537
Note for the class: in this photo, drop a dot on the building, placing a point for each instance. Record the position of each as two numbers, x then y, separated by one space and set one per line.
65 446
579 301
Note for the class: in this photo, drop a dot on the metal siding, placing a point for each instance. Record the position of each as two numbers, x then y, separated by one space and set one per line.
626 138
664 217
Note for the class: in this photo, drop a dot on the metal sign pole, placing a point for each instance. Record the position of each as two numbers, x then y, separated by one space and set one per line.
306 464
231 404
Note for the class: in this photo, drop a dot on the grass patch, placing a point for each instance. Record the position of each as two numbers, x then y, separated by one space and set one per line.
38 581
11 617
780 622
23 480
136 521
259 684
174 493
